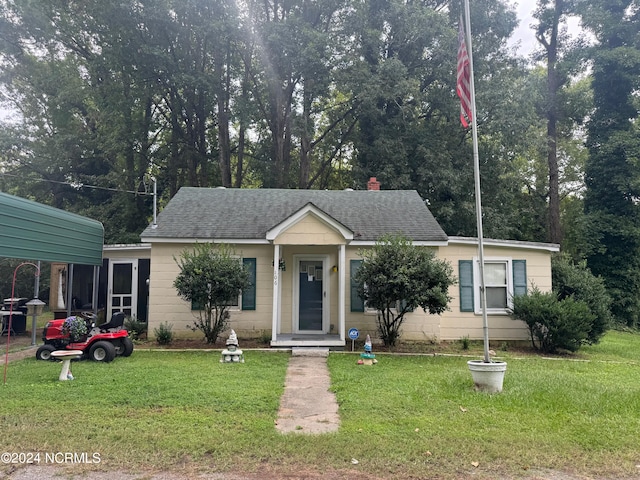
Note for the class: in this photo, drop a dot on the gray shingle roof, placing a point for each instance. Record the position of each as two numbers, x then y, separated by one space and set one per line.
219 213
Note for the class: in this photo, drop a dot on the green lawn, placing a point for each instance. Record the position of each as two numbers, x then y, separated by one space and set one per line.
407 416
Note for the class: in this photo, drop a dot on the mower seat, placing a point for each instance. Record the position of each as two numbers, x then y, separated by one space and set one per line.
117 320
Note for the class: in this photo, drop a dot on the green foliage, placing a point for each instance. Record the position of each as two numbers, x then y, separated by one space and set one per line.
164 333
612 175
211 277
553 324
135 328
577 281
397 277
25 279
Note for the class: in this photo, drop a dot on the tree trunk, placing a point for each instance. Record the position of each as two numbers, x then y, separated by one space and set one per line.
224 141
553 84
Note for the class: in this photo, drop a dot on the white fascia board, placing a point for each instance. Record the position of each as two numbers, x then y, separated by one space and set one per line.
492 242
309 209
418 243
237 241
116 247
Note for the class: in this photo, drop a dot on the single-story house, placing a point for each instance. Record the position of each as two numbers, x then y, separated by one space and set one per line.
302 248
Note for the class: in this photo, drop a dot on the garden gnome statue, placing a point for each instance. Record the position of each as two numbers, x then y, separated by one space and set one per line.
232 354
367 358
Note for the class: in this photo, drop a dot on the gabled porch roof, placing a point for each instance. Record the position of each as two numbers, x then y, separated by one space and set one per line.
310 210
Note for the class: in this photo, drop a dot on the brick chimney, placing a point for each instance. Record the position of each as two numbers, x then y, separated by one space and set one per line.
373 184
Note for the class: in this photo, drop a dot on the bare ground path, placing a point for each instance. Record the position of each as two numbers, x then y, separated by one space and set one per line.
307 406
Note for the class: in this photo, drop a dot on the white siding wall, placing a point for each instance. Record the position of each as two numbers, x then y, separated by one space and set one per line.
166 306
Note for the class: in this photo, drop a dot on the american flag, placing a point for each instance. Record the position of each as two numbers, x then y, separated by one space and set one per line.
463 85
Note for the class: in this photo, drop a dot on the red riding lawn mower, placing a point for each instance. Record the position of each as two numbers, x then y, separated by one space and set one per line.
102 343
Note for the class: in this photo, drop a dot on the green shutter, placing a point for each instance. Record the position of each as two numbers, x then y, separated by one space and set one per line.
249 293
195 305
519 277
465 269
357 304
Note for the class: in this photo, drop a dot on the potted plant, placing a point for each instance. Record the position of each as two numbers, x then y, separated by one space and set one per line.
75 327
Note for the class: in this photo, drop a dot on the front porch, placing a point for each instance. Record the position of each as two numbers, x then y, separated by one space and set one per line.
307 340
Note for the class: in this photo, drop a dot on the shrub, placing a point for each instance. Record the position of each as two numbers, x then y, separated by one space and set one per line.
135 328
554 324
577 281
164 333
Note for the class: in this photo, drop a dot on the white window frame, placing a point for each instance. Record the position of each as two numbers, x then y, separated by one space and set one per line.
374 311
477 294
238 307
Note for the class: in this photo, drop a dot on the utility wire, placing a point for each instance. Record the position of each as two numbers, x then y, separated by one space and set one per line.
79 185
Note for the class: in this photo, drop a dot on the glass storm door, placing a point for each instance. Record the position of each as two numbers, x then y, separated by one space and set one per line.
123 288
311 295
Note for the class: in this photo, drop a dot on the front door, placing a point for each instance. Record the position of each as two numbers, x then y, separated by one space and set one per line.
123 288
312 282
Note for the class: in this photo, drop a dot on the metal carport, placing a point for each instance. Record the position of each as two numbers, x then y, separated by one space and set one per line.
32 231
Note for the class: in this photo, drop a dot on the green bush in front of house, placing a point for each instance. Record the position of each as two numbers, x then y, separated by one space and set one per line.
575 313
577 281
136 328
553 324
211 276
164 333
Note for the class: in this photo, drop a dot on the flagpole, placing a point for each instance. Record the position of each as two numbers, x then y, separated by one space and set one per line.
476 175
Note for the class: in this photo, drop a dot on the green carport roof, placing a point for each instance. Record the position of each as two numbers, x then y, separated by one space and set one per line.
32 231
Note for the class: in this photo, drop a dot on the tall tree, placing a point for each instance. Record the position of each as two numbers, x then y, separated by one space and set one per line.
298 51
552 35
613 168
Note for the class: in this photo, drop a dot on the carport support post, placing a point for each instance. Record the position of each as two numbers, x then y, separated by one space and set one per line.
69 288
36 292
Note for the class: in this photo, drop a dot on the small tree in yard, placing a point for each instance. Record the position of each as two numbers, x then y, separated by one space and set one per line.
211 277
397 277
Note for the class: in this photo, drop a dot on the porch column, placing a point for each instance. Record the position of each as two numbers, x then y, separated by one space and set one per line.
341 289
276 289
94 293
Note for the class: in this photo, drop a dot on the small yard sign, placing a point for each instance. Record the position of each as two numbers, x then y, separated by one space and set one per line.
353 335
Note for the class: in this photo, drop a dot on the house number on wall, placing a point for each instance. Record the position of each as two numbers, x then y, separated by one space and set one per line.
275 279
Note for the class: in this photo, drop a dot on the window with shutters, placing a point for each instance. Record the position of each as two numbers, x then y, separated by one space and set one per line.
504 278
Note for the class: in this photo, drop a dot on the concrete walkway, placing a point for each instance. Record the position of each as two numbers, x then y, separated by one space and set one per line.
307 406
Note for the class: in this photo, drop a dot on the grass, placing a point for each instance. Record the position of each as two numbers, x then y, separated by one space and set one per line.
406 417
